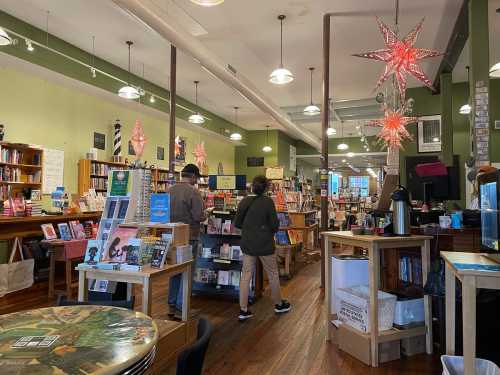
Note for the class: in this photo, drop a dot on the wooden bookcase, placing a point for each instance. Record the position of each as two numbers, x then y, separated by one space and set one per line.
21 166
93 174
160 181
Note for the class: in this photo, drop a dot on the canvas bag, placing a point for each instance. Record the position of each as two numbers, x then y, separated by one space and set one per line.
15 276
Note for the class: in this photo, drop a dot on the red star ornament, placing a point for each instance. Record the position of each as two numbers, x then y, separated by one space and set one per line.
393 125
401 57
138 139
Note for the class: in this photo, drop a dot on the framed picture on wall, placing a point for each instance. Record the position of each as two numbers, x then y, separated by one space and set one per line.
131 150
99 141
160 153
429 134
180 150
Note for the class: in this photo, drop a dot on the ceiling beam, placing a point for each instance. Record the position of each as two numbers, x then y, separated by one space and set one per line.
455 46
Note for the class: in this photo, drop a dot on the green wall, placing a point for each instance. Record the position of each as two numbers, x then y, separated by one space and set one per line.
41 112
255 141
354 143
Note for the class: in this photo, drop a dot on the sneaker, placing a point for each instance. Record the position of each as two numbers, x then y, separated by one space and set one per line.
244 315
283 307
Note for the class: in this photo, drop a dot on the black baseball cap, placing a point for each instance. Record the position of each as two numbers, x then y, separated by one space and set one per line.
191 170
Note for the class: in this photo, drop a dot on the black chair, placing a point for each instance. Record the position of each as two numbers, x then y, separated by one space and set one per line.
62 301
190 361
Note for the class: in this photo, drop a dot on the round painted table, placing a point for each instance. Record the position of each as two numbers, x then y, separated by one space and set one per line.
95 340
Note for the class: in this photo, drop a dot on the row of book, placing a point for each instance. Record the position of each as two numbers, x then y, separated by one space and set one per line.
5 192
99 169
12 156
410 270
284 219
288 237
162 176
215 225
98 183
221 277
71 230
10 174
225 251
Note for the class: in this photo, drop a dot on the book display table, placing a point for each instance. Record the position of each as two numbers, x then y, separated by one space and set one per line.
77 339
474 271
146 277
374 245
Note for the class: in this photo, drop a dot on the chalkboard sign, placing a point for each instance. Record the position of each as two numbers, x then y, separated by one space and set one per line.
100 141
160 153
255 161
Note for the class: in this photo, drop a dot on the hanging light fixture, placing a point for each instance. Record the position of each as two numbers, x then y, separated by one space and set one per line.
127 91
495 69
29 45
311 109
267 148
466 108
152 99
196 118
235 136
207 3
342 146
281 76
5 39
330 131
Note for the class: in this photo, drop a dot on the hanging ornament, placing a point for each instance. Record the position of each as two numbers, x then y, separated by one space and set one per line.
393 125
138 139
200 155
401 57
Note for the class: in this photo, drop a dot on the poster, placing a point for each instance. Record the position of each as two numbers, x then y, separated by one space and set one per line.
99 141
160 208
180 150
53 170
293 158
226 182
120 183
275 173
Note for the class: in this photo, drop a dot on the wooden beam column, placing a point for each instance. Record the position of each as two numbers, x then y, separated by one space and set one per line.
479 79
173 94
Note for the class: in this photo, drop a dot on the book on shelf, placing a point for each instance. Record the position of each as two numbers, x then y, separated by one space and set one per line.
281 238
93 253
225 251
160 208
77 230
148 246
223 277
284 219
160 251
123 207
181 254
116 246
206 253
134 249
48 231
236 253
214 225
234 278
64 231
227 227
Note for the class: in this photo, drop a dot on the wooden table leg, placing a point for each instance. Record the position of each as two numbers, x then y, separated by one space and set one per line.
69 278
374 271
186 292
469 323
426 260
328 284
130 288
82 286
450 286
52 271
147 296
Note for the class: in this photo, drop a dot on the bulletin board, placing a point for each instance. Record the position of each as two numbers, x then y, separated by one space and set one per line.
53 169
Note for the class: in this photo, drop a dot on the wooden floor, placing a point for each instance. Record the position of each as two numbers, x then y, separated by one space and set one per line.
267 344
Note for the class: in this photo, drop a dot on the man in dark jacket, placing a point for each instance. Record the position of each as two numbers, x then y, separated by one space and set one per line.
258 221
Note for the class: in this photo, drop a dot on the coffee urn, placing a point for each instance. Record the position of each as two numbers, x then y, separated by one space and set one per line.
401 211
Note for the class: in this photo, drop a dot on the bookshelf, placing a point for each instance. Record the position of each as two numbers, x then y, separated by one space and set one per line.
93 174
21 166
160 181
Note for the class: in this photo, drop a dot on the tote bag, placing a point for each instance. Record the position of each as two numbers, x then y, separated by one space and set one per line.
19 274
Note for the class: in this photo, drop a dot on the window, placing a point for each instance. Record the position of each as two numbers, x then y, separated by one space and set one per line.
359 185
334 184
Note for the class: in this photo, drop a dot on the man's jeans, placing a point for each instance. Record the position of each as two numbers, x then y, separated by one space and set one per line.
175 283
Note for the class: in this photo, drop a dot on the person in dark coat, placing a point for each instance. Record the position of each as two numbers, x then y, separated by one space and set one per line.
258 221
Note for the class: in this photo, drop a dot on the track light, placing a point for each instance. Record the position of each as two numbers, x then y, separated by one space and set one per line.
29 45
152 99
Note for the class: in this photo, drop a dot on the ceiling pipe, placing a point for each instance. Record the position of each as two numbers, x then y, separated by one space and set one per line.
154 18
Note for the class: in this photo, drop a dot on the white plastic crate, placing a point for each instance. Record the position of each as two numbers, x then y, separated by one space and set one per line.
355 308
409 311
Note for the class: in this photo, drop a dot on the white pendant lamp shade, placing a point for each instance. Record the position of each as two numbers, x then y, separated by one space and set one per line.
281 76
465 109
350 154
196 118
311 109
267 148
342 146
207 3
129 92
235 137
495 71
330 132
5 39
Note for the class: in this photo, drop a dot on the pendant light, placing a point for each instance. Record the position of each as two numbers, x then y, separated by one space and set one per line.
196 118
281 76
5 39
495 69
267 148
466 108
235 136
311 109
207 3
331 130
127 91
342 146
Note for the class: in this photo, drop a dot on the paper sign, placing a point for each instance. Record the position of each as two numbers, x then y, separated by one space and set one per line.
226 182
275 173
53 170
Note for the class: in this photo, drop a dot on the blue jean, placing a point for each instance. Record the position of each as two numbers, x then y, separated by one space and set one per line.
175 283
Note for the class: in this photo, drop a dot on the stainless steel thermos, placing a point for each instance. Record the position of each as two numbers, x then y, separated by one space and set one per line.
401 211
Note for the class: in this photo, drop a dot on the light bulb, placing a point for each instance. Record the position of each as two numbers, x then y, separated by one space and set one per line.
207 3
128 92
350 154
312 110
331 131
343 160
281 76
267 148
342 146
465 109
235 137
152 99
196 119
435 139
5 39
495 70
29 45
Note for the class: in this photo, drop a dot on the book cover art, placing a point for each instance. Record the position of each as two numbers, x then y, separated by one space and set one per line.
110 209
93 253
223 277
77 230
49 232
116 247
87 228
226 227
134 256
284 219
147 251
160 251
236 253
120 184
64 231
122 209
235 278
160 208
214 225
282 238
225 251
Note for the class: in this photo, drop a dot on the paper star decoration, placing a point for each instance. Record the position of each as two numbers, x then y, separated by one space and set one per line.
178 146
138 139
401 57
200 155
393 125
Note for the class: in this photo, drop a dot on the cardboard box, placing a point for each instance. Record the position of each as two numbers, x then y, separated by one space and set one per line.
413 345
357 344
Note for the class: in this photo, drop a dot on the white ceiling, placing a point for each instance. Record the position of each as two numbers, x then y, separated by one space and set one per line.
245 34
